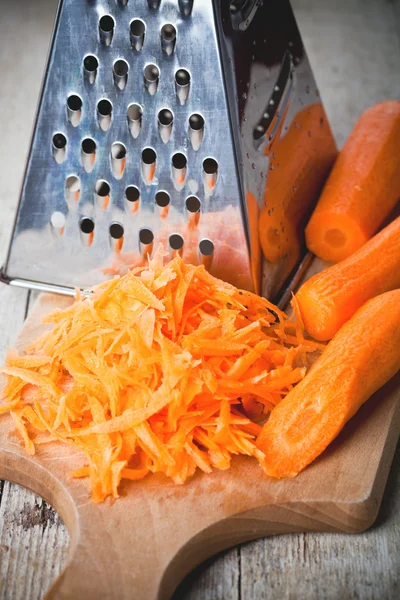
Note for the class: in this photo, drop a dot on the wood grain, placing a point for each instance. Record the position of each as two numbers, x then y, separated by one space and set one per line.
353 47
176 527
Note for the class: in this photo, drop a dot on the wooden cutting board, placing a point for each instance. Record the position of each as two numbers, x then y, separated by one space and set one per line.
143 545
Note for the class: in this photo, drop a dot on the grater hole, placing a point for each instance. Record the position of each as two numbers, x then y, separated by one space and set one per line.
176 241
196 130
182 85
165 117
151 76
151 73
196 122
59 141
146 236
162 199
116 230
72 188
165 120
106 23
135 112
168 32
137 27
149 156
132 193
74 102
193 204
104 107
210 166
90 63
182 77
137 33
118 151
179 161
206 247
121 68
57 221
86 225
168 38
134 116
102 188
154 4
88 146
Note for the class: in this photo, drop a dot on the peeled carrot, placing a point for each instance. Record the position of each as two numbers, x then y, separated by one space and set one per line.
361 358
300 161
331 297
363 187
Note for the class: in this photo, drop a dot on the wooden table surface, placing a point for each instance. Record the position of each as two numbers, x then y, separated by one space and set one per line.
354 48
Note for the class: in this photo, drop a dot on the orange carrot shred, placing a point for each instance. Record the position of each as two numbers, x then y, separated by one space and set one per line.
163 370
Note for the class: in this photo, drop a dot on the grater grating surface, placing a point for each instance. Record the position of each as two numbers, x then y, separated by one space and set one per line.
153 127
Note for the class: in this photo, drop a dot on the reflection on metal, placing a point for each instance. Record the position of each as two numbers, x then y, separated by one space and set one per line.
237 80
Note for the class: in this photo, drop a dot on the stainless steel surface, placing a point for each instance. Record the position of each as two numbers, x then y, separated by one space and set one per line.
218 83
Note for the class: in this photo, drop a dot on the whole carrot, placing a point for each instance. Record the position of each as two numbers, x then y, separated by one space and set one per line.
330 298
361 358
363 187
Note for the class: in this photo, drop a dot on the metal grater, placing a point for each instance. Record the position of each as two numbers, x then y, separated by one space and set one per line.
156 125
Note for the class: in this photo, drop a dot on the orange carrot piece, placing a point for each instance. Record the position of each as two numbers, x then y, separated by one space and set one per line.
363 186
143 375
330 298
363 356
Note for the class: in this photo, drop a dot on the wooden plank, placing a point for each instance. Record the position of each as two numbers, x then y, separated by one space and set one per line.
329 566
30 549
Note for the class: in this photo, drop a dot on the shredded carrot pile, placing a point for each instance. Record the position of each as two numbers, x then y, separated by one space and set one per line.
163 370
